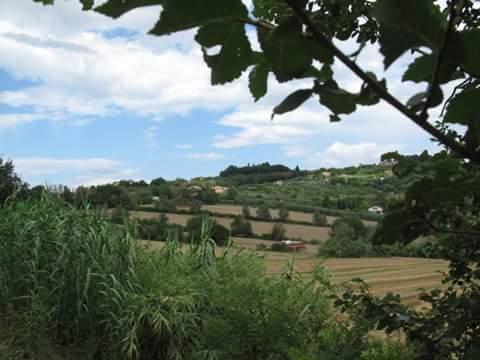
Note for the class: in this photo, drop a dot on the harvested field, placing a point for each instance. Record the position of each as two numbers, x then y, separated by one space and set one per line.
404 276
304 232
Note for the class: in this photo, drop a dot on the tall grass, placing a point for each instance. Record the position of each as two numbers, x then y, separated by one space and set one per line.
74 283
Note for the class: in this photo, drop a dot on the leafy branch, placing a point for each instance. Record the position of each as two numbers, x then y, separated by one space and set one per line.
380 90
436 73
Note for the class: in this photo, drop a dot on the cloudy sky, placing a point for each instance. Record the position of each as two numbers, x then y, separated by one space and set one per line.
85 100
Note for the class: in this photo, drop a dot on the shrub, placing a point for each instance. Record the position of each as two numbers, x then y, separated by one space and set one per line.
119 215
194 226
263 213
153 229
319 219
246 211
220 234
261 247
279 246
343 242
278 232
195 206
240 226
387 350
167 205
283 214
354 222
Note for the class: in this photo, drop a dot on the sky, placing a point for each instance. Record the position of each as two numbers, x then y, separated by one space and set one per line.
85 100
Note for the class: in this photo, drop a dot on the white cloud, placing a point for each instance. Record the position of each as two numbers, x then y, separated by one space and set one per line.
45 166
12 119
86 171
339 154
207 156
78 72
184 146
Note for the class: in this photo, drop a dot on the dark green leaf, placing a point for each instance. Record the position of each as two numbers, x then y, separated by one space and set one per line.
417 99
464 108
367 95
399 226
87 4
471 41
187 14
292 101
116 8
337 100
289 54
235 55
334 118
406 24
258 81
422 70
45 2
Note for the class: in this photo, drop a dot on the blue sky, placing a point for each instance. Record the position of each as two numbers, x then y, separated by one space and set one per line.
87 100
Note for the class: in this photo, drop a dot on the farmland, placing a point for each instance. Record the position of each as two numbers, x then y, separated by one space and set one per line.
404 276
293 215
304 232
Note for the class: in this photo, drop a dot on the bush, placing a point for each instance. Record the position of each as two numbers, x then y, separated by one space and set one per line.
319 219
279 246
194 226
387 350
195 207
261 247
354 222
246 211
263 213
220 234
240 226
343 242
153 229
167 205
283 214
119 215
278 232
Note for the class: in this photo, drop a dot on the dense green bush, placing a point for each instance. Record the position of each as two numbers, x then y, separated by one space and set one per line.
157 229
344 242
278 232
279 246
263 213
354 222
241 227
165 204
283 214
195 206
220 234
319 219
246 211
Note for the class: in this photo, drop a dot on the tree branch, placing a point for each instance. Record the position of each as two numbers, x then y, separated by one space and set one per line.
446 231
379 89
436 73
257 23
